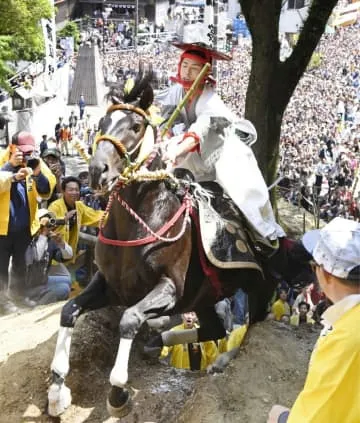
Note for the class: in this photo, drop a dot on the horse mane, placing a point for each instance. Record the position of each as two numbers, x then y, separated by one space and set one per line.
141 91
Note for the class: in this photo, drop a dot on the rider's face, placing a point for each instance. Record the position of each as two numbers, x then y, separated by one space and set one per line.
190 69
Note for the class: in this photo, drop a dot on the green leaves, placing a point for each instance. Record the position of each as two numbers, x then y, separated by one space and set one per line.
70 30
21 35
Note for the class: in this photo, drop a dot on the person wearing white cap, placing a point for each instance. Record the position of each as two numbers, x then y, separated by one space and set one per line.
332 388
46 283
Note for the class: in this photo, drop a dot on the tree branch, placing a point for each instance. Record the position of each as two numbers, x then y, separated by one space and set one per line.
265 12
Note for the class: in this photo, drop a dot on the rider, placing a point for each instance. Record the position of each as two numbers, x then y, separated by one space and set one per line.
198 142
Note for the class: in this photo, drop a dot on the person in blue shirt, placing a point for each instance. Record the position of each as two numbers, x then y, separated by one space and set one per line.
43 144
23 179
82 105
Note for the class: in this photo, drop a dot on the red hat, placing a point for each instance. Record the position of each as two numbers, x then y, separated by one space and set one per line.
25 142
201 53
204 50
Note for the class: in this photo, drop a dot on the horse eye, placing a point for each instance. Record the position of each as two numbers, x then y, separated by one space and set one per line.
136 127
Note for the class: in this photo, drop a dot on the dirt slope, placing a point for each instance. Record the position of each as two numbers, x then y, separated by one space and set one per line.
270 368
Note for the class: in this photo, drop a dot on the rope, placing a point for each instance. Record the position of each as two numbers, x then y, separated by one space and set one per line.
117 143
130 108
82 151
187 205
145 175
155 236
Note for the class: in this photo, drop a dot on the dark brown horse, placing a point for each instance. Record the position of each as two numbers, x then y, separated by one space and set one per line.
161 274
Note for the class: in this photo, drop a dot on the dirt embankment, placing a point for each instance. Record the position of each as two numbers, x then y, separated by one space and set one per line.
270 368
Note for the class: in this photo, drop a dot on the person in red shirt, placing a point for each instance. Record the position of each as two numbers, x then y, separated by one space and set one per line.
65 138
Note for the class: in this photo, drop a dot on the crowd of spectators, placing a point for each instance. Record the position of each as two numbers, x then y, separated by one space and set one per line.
319 146
121 66
110 35
298 305
321 132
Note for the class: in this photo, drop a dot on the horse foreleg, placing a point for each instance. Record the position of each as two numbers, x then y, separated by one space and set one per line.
59 395
160 300
93 297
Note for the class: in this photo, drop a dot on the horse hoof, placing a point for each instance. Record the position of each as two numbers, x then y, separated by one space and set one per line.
59 397
119 402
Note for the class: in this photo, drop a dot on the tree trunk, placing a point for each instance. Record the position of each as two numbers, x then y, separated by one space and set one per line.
272 82
260 100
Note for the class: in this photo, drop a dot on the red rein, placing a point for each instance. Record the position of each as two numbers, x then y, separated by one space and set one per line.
155 236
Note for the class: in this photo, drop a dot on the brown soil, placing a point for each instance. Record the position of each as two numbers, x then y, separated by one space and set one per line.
270 369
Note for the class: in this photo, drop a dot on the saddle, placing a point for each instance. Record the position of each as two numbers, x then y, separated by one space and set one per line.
228 240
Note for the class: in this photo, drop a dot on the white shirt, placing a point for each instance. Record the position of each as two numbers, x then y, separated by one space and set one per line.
225 158
66 252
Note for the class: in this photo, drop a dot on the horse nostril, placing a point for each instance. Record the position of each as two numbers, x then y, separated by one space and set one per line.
106 168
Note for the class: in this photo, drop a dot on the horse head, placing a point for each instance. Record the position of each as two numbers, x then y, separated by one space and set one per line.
122 131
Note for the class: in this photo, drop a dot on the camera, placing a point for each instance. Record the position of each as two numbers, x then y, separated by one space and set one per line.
31 161
53 223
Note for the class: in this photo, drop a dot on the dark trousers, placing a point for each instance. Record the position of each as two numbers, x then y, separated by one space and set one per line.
13 245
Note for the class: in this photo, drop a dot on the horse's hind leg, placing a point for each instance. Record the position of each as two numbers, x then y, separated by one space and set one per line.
93 297
259 297
160 300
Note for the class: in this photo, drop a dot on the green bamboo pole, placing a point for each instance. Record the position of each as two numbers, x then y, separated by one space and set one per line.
192 89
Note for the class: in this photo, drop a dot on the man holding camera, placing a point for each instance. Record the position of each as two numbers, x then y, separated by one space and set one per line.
46 283
23 178
75 213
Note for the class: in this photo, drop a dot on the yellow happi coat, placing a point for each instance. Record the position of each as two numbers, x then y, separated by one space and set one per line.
31 191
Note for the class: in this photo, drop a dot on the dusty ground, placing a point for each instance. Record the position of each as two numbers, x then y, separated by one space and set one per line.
269 369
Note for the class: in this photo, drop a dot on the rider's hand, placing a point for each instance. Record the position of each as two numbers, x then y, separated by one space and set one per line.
22 174
16 158
170 157
171 151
